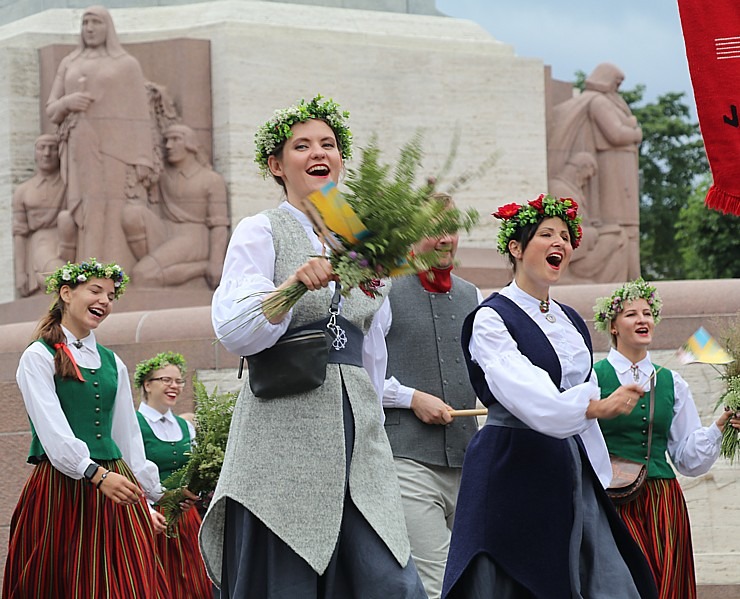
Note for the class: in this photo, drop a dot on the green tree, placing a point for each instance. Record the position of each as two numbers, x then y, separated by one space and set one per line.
708 240
671 161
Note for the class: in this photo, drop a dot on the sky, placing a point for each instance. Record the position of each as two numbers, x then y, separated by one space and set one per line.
641 37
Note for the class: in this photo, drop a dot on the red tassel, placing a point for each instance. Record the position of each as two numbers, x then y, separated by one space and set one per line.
723 201
65 349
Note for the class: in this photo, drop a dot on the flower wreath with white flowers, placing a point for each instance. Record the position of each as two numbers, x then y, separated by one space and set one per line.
168 358
515 216
277 130
607 308
73 274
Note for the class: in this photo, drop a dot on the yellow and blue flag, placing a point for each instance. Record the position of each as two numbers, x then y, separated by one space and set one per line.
337 214
702 347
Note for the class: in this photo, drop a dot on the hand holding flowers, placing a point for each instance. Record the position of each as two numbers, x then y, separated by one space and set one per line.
370 229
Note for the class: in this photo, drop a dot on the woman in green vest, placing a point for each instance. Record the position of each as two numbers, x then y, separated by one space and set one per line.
167 440
657 518
82 527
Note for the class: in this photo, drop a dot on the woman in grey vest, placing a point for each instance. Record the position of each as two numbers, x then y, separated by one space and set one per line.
307 504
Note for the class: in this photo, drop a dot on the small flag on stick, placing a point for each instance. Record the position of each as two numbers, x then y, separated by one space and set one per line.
337 214
702 347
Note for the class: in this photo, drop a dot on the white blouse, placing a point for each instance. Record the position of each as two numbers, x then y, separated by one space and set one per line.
248 272
527 391
693 448
164 426
67 453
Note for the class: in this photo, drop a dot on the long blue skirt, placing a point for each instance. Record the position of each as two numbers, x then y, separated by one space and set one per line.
257 564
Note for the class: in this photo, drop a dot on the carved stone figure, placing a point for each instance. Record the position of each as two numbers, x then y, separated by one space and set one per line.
184 235
36 204
601 257
600 122
99 102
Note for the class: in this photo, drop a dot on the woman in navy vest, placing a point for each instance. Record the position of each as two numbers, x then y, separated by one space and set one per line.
533 520
82 527
167 440
657 518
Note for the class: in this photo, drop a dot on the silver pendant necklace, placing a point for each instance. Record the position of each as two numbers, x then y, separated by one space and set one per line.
545 309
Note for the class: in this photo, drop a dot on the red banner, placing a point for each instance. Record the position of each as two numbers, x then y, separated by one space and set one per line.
711 31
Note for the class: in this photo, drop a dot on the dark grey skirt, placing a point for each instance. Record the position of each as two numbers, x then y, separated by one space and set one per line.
598 570
257 564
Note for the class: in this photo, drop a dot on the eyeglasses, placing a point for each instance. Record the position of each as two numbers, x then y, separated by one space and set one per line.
168 380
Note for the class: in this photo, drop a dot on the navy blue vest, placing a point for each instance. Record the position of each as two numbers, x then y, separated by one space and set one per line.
530 339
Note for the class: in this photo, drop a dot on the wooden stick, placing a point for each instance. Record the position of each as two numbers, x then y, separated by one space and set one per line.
476 412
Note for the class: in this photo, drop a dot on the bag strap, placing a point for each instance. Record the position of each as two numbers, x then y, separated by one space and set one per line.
334 307
650 425
334 329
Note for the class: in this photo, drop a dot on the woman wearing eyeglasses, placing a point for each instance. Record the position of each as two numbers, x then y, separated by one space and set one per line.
167 440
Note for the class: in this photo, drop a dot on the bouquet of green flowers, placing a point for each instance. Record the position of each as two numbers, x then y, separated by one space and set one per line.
200 474
731 397
371 228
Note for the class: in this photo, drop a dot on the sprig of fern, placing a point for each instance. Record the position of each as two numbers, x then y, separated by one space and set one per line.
730 447
200 473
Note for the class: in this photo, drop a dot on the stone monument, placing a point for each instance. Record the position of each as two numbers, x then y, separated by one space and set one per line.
599 122
36 205
183 233
99 103
600 257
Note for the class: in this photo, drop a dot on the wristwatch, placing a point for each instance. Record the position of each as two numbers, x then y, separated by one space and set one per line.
90 471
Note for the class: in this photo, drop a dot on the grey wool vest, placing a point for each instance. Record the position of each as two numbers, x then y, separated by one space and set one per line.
424 353
285 459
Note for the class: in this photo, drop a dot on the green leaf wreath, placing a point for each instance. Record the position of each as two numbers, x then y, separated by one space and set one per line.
396 212
731 396
200 474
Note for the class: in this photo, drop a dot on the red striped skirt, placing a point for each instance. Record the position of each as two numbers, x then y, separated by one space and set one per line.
659 522
68 540
180 556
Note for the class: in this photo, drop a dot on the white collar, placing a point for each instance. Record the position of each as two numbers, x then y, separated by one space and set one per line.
153 415
622 364
88 342
524 300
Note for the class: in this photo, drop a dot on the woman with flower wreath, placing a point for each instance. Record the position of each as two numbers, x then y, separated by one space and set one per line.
533 520
82 527
167 442
657 518
307 504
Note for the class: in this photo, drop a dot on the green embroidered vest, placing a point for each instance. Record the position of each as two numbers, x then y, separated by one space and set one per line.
88 407
167 455
627 435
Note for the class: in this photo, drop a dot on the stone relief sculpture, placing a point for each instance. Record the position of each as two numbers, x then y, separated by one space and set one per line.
599 122
184 234
600 257
36 204
99 102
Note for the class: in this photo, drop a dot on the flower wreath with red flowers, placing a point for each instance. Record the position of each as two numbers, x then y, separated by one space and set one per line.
515 216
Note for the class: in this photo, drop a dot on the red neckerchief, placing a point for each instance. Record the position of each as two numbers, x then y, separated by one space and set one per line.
65 349
441 279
